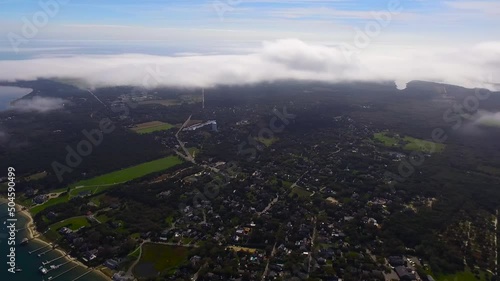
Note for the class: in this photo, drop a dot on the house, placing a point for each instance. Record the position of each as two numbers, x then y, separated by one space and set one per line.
195 260
396 261
84 194
40 199
121 276
90 255
65 230
111 264
405 274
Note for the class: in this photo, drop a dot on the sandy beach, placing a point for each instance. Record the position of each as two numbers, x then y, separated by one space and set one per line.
34 234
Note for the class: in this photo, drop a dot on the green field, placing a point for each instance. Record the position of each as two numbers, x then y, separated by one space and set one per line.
489 170
385 139
423 145
128 174
101 183
266 141
302 193
410 143
157 258
150 127
74 223
61 199
463 276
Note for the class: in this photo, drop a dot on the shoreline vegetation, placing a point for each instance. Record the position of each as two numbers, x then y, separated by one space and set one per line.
33 234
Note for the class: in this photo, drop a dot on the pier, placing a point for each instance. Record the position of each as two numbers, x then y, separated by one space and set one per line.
17 230
52 260
36 250
44 252
66 271
82 275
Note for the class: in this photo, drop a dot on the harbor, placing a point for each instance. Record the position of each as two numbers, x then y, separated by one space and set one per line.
38 260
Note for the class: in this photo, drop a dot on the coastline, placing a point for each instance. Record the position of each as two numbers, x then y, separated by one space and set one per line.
33 234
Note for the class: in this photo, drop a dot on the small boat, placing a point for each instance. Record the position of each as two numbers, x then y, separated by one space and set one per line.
24 241
18 270
43 270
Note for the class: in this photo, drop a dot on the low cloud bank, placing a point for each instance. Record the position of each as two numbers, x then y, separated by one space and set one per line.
38 104
475 66
489 119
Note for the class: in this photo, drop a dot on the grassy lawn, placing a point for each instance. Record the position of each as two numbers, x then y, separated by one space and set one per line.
267 142
410 143
385 139
490 123
101 183
129 174
150 127
102 218
300 192
74 223
165 102
463 276
423 145
135 253
161 258
489 170
61 199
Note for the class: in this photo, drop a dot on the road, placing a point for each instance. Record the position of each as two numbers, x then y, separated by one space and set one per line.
313 237
268 207
273 252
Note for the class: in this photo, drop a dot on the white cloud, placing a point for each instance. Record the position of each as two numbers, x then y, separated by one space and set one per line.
475 66
489 119
483 7
38 104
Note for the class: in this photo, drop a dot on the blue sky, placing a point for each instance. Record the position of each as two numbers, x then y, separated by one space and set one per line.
210 42
166 27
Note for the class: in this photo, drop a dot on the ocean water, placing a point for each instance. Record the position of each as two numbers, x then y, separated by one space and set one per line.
9 94
30 263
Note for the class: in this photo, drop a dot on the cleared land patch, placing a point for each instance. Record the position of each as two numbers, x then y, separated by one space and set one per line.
103 182
408 143
302 193
150 127
158 258
267 141
189 99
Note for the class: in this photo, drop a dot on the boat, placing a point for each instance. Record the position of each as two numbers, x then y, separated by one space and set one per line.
24 241
43 270
18 269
